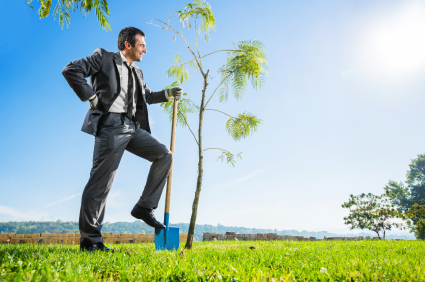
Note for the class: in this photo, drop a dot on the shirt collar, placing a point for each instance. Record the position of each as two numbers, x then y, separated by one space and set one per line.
124 59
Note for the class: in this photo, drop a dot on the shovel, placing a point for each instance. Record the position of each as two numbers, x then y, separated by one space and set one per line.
168 238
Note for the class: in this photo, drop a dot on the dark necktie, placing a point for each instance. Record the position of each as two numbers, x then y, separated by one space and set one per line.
130 93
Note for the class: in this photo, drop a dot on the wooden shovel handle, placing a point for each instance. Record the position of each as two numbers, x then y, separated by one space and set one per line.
170 175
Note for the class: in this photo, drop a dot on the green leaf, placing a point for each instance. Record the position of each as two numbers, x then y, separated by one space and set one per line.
201 10
178 72
63 9
229 157
29 4
242 126
178 57
62 13
44 8
101 11
224 91
247 63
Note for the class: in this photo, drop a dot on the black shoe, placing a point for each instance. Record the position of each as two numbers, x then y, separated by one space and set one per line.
86 245
147 216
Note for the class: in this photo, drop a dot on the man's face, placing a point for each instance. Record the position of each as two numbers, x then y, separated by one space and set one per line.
138 50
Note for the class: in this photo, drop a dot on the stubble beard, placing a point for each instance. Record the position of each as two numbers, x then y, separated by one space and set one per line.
136 57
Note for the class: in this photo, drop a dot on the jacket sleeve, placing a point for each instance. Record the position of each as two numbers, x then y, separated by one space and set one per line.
154 97
76 72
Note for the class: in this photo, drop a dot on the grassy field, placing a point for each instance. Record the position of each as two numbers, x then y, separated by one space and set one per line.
220 261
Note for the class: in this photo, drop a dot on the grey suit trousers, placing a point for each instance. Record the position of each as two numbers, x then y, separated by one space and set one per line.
117 133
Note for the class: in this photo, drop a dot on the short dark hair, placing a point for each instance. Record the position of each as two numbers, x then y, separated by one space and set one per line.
128 34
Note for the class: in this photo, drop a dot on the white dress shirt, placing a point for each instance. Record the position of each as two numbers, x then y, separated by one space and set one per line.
120 103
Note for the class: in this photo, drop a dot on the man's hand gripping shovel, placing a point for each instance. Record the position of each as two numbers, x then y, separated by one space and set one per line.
168 238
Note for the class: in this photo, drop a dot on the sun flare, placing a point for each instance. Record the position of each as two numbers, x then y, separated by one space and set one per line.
397 42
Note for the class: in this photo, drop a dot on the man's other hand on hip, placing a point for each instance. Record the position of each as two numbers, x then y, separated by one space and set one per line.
93 103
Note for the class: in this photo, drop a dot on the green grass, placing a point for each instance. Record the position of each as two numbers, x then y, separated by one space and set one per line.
220 261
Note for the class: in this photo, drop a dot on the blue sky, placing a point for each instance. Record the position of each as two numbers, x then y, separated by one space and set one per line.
342 111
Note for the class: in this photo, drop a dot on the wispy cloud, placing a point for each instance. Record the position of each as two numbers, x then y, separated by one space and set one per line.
243 178
12 212
63 200
34 214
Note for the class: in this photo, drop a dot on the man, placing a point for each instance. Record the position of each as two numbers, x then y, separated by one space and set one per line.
118 118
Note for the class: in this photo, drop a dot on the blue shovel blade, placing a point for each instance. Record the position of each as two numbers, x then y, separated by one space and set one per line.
172 239
167 238
159 239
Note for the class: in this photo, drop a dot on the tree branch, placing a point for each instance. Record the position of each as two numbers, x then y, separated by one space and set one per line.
221 51
191 51
181 34
187 62
218 149
170 28
196 140
200 57
168 23
216 89
220 112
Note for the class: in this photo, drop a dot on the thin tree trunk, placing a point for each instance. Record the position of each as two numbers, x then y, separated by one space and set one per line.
191 232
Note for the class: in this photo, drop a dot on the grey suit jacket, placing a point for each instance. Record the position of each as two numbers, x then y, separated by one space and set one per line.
104 69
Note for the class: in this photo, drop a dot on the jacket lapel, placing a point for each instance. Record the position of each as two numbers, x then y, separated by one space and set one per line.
118 65
140 81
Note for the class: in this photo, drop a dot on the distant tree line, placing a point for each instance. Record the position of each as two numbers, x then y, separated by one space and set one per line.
137 227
